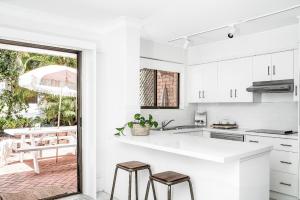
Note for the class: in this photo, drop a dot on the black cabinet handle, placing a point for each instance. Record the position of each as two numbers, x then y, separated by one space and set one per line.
296 90
235 93
230 93
286 145
268 70
284 162
203 94
274 70
286 184
254 141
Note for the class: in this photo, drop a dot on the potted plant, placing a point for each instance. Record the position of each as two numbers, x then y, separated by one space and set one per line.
140 126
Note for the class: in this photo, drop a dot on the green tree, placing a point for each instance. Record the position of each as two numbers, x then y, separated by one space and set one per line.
12 98
50 105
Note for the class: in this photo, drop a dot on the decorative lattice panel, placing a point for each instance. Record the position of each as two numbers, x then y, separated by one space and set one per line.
147 87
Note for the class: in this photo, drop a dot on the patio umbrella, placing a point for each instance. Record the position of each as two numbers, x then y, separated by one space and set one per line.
52 79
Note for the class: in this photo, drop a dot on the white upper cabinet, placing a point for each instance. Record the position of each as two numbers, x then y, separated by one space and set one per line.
209 82
276 66
227 81
283 65
262 68
193 77
296 75
234 77
202 83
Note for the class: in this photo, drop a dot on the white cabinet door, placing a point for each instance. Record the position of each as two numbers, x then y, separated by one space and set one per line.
296 75
276 66
283 65
209 82
243 79
193 80
234 77
226 74
262 68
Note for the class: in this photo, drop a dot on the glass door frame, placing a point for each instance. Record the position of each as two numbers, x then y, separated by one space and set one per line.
79 101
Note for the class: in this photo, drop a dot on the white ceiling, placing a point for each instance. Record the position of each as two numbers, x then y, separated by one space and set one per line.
164 20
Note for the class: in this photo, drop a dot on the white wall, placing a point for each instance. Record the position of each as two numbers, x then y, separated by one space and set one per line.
152 49
273 40
250 115
117 99
183 115
281 116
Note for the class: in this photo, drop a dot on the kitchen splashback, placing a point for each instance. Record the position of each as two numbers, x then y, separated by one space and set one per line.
282 116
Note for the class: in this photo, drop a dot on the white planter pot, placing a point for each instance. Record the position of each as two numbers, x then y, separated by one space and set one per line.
138 130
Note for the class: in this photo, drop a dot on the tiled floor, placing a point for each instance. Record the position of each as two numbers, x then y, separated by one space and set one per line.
100 196
18 176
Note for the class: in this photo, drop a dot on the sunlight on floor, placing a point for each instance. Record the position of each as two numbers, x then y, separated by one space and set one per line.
15 168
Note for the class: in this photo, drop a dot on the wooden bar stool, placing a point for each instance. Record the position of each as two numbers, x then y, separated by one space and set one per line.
169 178
131 166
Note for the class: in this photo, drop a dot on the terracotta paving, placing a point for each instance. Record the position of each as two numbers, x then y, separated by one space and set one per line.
63 174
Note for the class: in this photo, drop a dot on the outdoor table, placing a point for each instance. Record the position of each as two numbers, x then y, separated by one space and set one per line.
23 132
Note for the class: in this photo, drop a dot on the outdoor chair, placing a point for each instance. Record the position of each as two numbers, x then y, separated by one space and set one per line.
5 151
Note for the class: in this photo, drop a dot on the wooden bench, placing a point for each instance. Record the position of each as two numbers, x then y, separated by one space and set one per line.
34 150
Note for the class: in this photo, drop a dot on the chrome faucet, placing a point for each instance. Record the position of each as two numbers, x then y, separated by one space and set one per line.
164 124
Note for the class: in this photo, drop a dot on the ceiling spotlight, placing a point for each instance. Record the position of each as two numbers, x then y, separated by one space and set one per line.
187 43
232 31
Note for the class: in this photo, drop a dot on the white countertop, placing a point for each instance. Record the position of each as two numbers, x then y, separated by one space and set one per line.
198 147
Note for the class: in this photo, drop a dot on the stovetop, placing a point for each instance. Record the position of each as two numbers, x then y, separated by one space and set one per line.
270 131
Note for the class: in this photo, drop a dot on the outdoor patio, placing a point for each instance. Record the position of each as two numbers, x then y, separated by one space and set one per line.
16 177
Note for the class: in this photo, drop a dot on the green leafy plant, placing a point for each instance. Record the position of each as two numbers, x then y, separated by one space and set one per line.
49 104
138 119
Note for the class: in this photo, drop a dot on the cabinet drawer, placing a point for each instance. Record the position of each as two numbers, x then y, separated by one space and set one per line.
278 143
280 196
284 183
284 161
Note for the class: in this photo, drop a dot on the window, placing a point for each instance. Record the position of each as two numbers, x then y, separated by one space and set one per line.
159 89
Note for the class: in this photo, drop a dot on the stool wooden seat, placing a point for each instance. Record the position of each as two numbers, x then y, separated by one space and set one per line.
169 178
131 167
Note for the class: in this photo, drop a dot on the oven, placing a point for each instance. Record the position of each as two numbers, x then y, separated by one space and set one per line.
227 136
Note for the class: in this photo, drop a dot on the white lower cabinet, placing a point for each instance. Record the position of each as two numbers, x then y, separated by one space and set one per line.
284 161
284 183
280 144
280 196
296 75
284 166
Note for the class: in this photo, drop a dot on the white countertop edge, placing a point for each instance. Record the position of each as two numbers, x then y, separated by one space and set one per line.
194 154
245 132
232 131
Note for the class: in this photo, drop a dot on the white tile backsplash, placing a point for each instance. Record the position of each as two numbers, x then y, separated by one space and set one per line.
254 115
181 116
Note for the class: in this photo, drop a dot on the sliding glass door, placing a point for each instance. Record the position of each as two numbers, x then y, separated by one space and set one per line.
40 115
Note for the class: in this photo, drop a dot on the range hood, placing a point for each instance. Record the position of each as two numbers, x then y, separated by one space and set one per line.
280 86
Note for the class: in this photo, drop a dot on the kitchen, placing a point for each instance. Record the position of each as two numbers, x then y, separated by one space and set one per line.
217 81
233 91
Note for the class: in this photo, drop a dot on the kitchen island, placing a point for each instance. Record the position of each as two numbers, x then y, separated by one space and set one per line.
219 169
